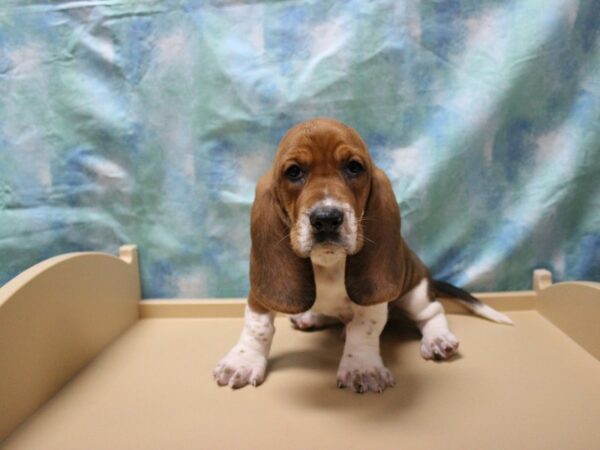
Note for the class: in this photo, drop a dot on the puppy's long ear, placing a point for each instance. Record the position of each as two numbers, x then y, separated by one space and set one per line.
279 279
375 274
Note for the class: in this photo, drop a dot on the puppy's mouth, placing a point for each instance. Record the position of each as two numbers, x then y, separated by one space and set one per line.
329 247
327 254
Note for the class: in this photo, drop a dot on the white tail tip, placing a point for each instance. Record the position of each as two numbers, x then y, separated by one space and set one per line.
489 313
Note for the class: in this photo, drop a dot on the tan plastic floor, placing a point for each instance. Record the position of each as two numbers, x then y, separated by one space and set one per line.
523 387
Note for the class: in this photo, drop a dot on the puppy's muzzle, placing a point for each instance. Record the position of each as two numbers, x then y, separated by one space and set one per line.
325 223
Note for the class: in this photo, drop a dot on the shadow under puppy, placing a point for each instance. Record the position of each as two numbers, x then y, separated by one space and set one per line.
327 248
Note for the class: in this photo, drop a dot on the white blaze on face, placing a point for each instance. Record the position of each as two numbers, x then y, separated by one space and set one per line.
348 231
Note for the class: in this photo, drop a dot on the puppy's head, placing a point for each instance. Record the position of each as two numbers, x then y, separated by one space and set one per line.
322 174
323 198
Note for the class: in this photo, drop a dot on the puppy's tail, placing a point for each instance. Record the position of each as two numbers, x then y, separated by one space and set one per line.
470 302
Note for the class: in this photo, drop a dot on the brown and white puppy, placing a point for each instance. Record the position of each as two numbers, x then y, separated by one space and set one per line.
327 248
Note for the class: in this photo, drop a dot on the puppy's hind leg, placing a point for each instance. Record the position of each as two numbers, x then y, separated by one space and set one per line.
310 321
437 341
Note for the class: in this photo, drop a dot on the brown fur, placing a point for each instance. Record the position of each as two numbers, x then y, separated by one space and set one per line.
279 279
385 268
382 267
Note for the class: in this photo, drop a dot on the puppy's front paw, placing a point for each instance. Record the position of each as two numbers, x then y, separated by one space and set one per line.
240 367
363 376
438 345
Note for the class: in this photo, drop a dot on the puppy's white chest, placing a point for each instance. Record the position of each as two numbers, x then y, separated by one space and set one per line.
332 298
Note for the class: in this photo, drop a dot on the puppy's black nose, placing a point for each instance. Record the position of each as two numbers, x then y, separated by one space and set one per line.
326 220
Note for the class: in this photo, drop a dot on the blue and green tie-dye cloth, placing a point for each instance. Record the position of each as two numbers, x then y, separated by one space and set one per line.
149 122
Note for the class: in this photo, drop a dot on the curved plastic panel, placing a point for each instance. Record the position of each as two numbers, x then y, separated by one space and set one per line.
54 318
574 307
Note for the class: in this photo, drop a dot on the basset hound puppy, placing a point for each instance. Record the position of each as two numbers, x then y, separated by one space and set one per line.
327 249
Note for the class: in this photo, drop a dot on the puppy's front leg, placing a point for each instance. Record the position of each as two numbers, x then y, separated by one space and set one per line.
246 362
361 367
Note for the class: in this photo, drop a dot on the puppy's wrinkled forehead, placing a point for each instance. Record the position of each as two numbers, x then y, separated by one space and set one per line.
320 142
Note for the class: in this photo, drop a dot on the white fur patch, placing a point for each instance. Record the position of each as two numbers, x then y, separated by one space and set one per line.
361 367
311 320
437 341
329 266
246 362
489 313
303 232
348 231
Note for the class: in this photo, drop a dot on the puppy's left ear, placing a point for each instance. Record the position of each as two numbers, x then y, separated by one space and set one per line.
375 274
279 279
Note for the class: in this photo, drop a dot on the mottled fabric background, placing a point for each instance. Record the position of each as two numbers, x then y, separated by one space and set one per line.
149 122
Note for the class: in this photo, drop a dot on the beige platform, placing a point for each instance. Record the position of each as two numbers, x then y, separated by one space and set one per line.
530 386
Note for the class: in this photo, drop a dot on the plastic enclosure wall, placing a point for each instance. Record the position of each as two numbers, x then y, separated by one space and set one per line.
58 315
574 307
54 318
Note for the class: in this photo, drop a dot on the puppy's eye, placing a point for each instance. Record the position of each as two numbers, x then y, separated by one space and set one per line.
354 168
294 173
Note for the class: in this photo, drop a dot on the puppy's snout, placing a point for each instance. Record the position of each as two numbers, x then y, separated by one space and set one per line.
326 220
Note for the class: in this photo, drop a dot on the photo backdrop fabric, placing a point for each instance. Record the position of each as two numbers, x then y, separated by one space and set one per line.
149 122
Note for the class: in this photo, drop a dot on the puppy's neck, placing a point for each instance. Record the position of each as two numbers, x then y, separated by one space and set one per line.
329 267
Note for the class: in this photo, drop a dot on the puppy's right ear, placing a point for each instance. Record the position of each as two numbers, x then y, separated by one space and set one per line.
279 279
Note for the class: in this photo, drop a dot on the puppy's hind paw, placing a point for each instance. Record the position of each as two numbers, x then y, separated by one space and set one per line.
311 321
439 346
